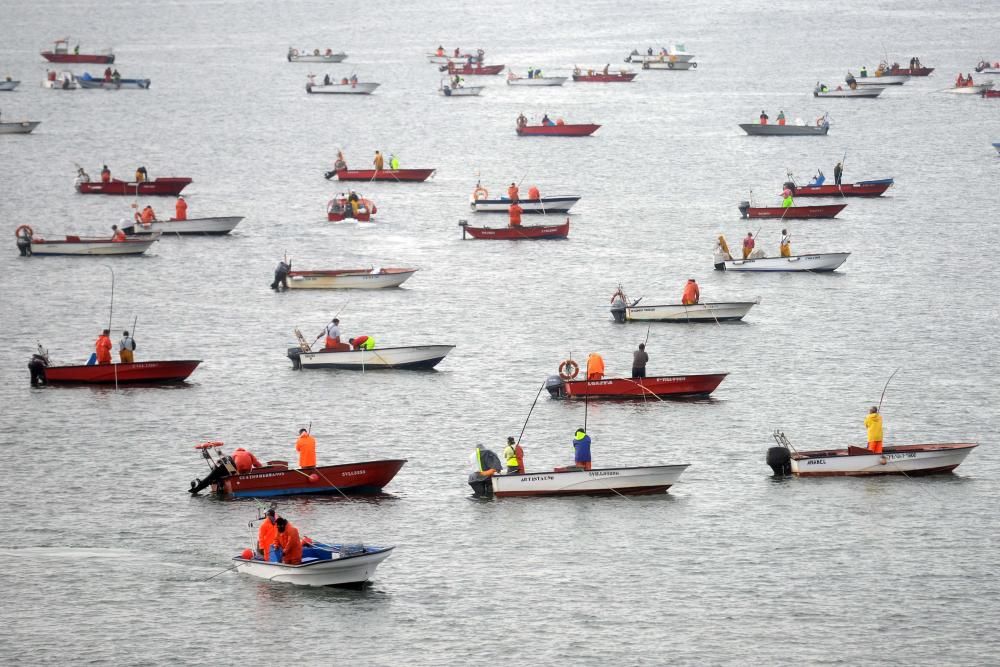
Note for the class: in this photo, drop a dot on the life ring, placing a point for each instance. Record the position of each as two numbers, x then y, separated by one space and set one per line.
209 445
670 65
315 52
17 232
480 193
295 52
568 369
819 122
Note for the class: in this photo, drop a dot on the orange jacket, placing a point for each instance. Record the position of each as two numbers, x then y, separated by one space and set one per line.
533 193
515 214
148 215
105 176
291 545
595 365
691 293
513 193
245 461
103 347
267 535
181 210
306 447
118 236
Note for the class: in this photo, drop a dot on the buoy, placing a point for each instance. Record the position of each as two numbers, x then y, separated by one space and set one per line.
314 477
247 554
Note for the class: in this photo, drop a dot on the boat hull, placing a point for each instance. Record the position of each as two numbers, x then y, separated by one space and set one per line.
349 279
555 204
543 81
411 357
916 71
820 263
350 570
758 130
596 482
194 226
389 175
910 460
23 127
676 66
100 58
475 70
139 372
977 89
819 211
874 188
342 88
517 232
884 80
578 130
700 312
122 84
368 477
464 91
621 77
310 58
645 58
9 85
91 247
866 92
663 386
165 187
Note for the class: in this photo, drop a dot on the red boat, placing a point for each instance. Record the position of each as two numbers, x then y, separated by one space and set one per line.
860 189
473 70
338 210
516 232
989 92
277 479
664 386
581 130
158 186
139 372
600 77
904 71
397 175
792 212
61 54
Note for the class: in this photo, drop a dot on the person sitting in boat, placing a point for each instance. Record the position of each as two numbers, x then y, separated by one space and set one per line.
818 179
522 122
339 164
363 342
787 201
281 275
117 235
851 82
305 445
440 51
456 81
116 77
107 74
538 74
873 423
546 120
513 456
748 245
864 72
692 294
763 117
344 81
968 79
102 347
289 542
354 79
595 366
534 193
267 533
514 213
332 333
148 216
581 449
457 52
126 348
81 177
245 461
560 121
393 162
141 176
649 51
786 243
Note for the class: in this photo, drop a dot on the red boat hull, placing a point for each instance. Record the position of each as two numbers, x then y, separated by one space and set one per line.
604 78
903 71
582 130
280 480
672 386
139 372
398 175
796 212
514 233
843 190
78 58
991 93
159 186
475 70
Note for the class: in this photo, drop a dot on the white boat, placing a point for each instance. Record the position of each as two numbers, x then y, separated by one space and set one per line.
817 263
19 127
988 70
723 311
121 84
861 91
460 91
553 204
677 54
884 80
206 226
568 482
358 88
515 80
460 59
63 81
409 357
74 245
296 56
668 64
369 278
9 85
976 89
322 565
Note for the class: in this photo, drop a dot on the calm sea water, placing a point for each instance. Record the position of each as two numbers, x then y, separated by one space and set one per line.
107 555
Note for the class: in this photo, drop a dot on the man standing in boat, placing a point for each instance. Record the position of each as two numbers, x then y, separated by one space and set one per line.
281 276
379 161
102 347
639 360
180 209
581 449
126 348
873 422
513 193
748 245
306 447
838 172
393 162
289 542
513 456
595 366
267 533
763 117
692 294
515 212
786 243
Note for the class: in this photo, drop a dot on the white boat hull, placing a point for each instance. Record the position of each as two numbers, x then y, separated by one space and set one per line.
699 312
23 127
540 81
906 459
886 80
645 58
357 280
823 262
342 88
553 204
599 481
342 571
205 226
865 91
92 248
464 91
412 357
669 65
971 90
9 85
332 58
60 84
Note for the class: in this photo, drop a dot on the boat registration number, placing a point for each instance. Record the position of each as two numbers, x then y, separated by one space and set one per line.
902 455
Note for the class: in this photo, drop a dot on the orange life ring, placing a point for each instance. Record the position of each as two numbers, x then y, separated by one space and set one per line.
480 193
819 122
568 369
209 445
17 232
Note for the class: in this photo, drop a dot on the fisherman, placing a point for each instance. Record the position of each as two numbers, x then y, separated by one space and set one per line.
787 200
355 203
281 275
763 117
513 193
288 541
864 72
245 461
838 172
546 120
140 175
606 67
533 192
332 332
118 236
378 162
267 533
818 179
748 245
692 294
595 366
339 163
105 174
521 121
786 243
354 79
873 422
363 342
960 81
581 449
515 214
513 456
968 79
326 79
456 81
781 117
24 235
393 162
126 348
148 215
852 83
180 208
102 347
306 447
440 51
639 360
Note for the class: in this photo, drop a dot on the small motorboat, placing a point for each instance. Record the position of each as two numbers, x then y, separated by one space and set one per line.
341 88
388 175
515 80
557 130
474 69
441 58
166 187
328 56
871 188
986 67
481 203
60 81
821 127
339 209
77 246
370 278
411 357
19 127
600 76
278 479
195 226
88 82
578 482
459 91
662 386
869 92
665 63
9 84
816 263
975 89
139 372
882 80
810 212
908 460
622 310
61 54
516 232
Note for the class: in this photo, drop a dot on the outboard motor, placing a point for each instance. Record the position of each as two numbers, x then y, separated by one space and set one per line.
745 208
554 385
618 309
779 458
294 354
37 368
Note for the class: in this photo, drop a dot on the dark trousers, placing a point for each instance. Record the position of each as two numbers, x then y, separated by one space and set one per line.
639 372
280 278
836 178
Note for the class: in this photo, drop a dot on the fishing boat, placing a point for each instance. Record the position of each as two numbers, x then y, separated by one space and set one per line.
514 80
88 82
975 89
662 386
139 372
388 175
77 246
9 84
896 70
557 130
460 90
339 209
991 93
677 54
592 76
472 69
569 482
165 187
869 92
411 357
516 232
871 188
853 461
882 80
370 278
60 53
328 56
348 565
810 212
442 58
727 311
60 81
278 479
348 88
985 67
816 263
195 226
481 203
821 127
19 127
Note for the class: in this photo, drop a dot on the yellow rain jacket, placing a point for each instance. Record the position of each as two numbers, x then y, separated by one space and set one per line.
873 422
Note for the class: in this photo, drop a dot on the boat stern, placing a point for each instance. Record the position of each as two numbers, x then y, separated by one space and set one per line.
555 386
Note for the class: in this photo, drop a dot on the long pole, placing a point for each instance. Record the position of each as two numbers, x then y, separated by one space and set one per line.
111 308
529 413
882 397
